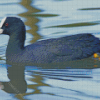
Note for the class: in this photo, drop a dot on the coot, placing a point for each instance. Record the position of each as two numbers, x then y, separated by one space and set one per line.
56 50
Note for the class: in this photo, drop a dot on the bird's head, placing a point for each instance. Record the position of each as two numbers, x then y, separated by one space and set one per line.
11 25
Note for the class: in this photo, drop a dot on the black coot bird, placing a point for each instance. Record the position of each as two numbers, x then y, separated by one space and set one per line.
56 50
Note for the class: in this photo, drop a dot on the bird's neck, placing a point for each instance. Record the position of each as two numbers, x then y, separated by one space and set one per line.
16 42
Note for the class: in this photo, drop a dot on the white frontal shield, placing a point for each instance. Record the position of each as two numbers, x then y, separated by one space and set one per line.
1 24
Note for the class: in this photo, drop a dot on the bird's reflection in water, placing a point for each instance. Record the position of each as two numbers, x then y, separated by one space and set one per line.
17 83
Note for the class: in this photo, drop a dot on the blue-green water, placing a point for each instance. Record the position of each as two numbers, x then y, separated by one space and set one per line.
51 19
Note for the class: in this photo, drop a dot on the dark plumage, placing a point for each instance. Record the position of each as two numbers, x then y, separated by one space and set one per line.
46 51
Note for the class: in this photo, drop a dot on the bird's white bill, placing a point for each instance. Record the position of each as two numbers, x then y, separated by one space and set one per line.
1 31
2 21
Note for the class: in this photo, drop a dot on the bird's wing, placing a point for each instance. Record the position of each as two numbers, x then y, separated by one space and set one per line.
76 46
80 46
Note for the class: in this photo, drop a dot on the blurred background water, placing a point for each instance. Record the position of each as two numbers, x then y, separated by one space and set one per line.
51 19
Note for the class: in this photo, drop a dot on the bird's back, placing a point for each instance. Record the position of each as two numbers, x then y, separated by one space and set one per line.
71 47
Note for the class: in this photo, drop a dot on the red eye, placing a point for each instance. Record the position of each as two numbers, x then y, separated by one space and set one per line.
6 24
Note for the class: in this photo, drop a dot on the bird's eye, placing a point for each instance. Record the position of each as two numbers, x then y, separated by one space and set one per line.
6 24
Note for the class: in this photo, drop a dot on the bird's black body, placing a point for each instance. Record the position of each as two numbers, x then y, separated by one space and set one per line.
46 51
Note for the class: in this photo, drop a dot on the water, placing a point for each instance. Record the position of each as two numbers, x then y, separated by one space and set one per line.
51 19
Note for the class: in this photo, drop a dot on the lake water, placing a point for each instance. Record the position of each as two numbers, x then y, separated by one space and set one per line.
79 80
